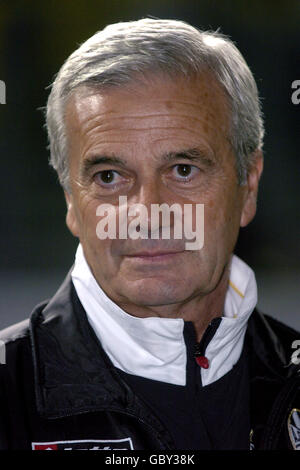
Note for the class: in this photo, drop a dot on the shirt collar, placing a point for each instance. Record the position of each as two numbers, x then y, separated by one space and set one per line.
154 347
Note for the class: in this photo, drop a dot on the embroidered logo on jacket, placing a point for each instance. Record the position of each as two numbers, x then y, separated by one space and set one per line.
294 428
87 444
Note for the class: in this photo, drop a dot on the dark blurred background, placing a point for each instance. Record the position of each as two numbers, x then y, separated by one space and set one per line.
36 37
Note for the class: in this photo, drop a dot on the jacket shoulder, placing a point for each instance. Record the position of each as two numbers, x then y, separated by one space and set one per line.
272 343
42 312
21 329
15 343
283 332
14 332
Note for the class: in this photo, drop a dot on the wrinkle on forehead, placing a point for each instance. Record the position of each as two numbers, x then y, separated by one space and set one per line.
161 110
169 94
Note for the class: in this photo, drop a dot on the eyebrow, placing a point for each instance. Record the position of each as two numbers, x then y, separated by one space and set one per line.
90 162
193 154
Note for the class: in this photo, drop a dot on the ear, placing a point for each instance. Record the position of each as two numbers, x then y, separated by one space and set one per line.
251 189
71 219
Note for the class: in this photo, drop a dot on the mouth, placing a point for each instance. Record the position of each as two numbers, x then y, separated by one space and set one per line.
154 256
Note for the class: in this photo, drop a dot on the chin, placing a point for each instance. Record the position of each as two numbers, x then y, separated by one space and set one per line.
155 292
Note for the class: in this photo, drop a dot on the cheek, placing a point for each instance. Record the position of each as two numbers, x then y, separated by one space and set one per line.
86 209
102 249
222 219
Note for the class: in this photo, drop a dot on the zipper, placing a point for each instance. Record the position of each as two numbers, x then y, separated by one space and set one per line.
200 347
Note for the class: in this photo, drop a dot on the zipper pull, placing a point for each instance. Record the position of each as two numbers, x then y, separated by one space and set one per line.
200 359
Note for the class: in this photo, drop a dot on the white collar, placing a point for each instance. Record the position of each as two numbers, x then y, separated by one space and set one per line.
154 347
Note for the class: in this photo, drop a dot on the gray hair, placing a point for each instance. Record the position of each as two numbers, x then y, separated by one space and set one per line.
121 51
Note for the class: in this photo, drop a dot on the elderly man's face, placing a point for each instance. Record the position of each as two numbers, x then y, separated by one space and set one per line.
146 132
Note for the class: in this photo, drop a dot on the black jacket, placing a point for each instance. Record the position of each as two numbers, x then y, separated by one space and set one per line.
58 388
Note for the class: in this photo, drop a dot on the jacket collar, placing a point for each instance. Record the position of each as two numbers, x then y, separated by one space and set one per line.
154 347
74 375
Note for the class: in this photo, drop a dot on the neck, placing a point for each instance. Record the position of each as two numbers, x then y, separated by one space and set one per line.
200 310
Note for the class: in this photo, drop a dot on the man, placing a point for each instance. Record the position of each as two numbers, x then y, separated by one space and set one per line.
151 343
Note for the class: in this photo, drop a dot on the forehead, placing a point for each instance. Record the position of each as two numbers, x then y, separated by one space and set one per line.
159 108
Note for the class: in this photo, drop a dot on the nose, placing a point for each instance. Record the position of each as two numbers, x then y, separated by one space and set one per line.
148 194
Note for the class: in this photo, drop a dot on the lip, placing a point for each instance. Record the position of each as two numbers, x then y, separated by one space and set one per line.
157 256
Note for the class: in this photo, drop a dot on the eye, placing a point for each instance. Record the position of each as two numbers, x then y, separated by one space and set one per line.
107 177
184 171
